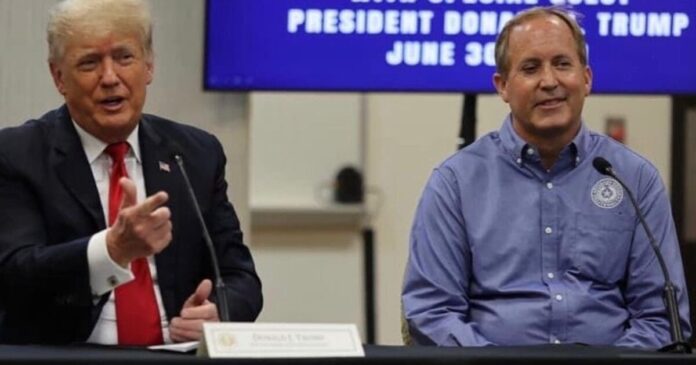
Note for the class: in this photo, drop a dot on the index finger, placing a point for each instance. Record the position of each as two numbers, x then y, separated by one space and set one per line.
151 203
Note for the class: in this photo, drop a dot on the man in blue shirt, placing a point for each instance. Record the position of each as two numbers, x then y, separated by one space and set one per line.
518 240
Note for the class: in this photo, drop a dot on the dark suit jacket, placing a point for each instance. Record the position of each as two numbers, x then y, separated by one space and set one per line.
49 209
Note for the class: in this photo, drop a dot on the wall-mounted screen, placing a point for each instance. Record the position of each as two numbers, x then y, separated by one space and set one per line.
635 46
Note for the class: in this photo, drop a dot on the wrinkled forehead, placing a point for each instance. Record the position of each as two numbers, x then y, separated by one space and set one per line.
80 44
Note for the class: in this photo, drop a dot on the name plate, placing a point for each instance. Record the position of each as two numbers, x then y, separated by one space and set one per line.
279 340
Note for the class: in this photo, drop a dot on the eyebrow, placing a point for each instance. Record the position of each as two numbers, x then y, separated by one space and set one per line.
554 58
85 55
530 60
92 51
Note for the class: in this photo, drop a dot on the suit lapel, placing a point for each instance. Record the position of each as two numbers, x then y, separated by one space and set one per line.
160 174
72 168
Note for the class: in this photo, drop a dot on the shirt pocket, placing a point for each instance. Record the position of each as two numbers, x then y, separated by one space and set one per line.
601 245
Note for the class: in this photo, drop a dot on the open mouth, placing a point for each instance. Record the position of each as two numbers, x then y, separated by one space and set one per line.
112 102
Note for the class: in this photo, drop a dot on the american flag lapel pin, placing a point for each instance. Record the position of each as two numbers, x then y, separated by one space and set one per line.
163 166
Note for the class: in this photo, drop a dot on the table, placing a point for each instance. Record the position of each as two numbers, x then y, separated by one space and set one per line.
375 355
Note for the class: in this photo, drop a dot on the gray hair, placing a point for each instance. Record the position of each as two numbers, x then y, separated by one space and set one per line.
99 18
502 43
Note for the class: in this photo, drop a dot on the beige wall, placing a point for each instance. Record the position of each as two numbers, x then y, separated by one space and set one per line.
310 273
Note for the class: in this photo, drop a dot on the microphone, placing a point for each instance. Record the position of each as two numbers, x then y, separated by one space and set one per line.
678 344
604 167
467 129
220 290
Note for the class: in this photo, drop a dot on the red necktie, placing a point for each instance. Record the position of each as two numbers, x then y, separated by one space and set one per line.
137 314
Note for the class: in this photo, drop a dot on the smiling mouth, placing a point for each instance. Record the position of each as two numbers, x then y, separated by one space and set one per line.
551 103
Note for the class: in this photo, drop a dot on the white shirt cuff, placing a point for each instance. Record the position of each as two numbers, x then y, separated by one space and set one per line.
104 273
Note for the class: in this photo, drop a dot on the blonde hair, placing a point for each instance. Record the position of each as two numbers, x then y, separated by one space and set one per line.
98 18
502 43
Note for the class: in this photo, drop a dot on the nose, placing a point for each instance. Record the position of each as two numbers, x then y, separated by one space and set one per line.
548 80
109 76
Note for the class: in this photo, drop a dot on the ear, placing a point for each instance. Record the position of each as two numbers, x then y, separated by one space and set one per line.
588 80
500 83
150 66
57 75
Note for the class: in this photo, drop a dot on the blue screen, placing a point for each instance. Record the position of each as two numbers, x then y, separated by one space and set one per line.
634 46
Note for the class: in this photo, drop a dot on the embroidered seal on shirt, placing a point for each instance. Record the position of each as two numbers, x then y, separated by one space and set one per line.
607 193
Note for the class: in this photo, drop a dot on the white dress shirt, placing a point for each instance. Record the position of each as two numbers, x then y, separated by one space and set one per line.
104 273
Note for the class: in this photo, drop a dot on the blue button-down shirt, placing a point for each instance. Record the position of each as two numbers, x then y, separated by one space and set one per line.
504 252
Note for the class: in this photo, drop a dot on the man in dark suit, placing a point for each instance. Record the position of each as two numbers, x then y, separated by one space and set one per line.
98 237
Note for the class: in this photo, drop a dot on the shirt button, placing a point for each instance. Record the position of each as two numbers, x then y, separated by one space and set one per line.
530 151
519 161
559 297
555 341
550 275
112 281
548 230
549 185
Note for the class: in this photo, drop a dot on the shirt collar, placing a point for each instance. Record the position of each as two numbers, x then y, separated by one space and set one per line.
517 148
94 147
